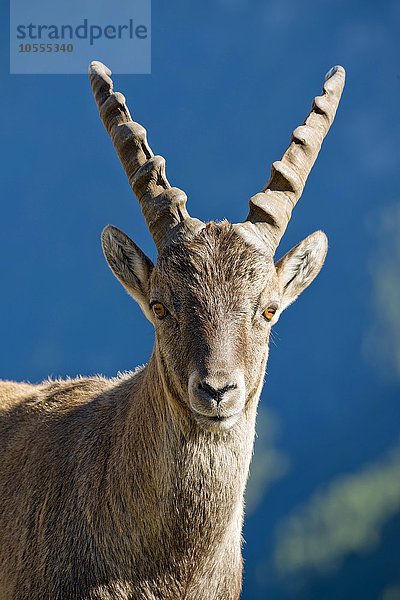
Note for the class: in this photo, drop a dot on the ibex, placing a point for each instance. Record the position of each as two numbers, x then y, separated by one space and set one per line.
132 488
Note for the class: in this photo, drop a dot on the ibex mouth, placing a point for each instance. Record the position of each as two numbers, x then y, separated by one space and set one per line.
216 422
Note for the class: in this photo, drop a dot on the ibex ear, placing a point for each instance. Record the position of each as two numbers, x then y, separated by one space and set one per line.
299 267
129 264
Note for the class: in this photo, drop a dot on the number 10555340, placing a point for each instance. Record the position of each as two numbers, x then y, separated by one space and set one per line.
46 48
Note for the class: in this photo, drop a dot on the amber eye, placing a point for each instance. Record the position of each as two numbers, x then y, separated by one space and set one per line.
269 313
159 310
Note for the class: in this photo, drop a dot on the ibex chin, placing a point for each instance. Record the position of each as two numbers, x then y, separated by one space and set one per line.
132 488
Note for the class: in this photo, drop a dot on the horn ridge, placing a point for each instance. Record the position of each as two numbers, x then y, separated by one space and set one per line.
163 206
271 209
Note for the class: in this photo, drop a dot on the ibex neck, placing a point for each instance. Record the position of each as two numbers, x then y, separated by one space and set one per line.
190 482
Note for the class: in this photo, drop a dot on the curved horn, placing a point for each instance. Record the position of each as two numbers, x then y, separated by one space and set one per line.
271 209
163 206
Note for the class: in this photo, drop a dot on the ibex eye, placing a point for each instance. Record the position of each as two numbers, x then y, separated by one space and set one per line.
269 313
159 310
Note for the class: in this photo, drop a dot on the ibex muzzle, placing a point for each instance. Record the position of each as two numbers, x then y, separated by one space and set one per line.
218 397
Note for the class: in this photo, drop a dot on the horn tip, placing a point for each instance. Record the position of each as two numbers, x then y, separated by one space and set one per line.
333 71
98 68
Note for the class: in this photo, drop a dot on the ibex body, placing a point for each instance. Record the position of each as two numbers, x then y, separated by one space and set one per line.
132 488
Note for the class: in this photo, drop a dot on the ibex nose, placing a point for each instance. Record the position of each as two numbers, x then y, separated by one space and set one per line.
213 393
217 399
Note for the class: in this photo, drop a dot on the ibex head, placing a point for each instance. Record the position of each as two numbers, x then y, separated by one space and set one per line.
215 290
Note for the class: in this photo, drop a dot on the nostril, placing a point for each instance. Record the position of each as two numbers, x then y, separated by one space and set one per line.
231 386
205 387
214 393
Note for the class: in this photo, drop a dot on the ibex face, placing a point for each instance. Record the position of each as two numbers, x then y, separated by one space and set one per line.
215 290
213 339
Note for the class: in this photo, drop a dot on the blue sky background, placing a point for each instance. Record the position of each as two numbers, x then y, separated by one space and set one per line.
230 80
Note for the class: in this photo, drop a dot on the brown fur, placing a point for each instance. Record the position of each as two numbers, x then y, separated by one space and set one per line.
112 489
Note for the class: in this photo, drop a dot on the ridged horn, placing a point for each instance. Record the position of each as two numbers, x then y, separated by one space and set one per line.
163 206
271 209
